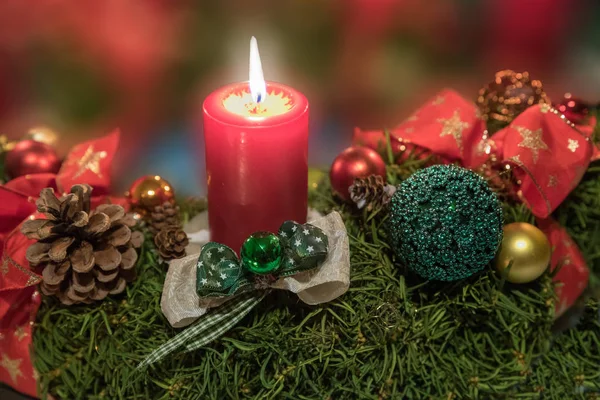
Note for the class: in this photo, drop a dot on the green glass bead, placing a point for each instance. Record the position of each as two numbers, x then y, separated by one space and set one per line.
262 253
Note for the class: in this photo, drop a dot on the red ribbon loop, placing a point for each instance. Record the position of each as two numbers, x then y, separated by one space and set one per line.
88 162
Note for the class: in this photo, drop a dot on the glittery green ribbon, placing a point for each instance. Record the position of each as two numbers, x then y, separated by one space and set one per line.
220 273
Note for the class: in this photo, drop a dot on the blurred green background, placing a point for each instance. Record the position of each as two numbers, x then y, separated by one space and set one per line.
86 67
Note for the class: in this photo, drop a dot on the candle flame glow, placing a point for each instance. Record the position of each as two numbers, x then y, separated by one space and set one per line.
241 103
258 87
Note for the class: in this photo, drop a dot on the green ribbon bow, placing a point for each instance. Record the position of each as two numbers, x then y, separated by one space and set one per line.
228 285
265 257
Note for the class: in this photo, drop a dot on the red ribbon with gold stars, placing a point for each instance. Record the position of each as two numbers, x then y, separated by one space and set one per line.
547 154
88 162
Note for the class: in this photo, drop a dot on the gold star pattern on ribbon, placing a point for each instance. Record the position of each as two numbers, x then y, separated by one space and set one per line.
12 366
552 181
532 140
409 130
412 118
573 145
90 161
438 100
20 333
454 126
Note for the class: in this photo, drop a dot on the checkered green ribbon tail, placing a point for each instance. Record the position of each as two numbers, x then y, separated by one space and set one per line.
208 328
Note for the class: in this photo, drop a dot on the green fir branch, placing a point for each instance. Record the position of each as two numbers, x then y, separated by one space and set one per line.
391 336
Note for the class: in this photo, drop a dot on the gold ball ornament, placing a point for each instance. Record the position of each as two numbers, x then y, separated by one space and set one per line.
42 134
527 248
148 192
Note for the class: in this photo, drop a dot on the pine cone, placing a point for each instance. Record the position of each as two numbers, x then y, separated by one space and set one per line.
86 254
171 242
371 192
164 216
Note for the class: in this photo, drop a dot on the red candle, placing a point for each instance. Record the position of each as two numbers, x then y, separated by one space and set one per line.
256 138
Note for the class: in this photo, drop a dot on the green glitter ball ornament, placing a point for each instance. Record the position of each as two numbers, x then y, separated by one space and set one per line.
445 223
262 253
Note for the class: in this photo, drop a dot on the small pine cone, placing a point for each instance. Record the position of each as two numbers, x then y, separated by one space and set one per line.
86 254
163 216
171 242
371 192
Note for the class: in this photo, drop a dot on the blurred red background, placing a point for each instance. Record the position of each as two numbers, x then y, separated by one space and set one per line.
84 68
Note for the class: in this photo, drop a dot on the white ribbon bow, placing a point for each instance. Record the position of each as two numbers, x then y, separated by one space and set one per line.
181 304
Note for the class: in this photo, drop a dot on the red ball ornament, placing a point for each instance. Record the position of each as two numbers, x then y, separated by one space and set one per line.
574 109
31 157
352 163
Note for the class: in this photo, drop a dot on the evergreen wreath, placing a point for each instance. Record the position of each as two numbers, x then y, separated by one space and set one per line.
391 335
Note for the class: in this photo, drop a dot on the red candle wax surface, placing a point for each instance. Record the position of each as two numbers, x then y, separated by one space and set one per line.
256 161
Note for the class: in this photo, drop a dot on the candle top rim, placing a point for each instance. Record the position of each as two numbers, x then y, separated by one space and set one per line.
214 105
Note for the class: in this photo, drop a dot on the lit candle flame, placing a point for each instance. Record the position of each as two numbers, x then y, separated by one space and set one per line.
258 87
